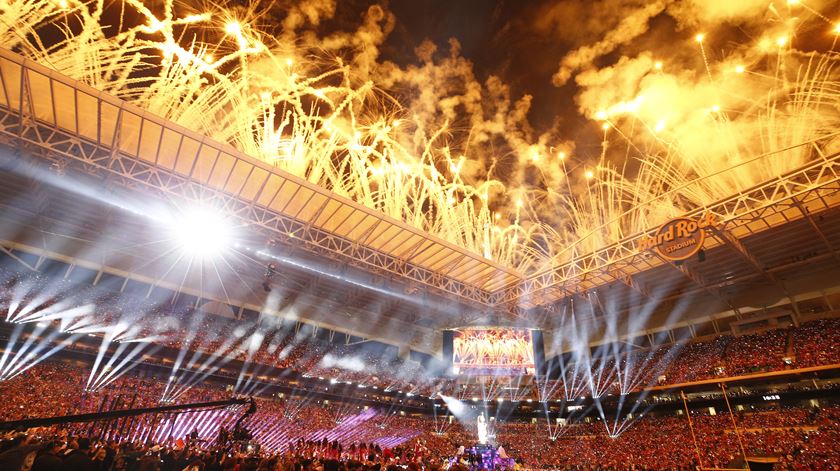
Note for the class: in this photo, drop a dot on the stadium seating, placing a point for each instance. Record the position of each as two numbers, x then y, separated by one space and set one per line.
297 429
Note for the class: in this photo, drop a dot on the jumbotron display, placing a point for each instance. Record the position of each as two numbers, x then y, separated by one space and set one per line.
486 351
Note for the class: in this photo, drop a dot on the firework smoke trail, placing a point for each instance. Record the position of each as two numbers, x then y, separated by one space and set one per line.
760 123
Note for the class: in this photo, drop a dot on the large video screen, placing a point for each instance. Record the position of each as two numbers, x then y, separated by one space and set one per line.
493 351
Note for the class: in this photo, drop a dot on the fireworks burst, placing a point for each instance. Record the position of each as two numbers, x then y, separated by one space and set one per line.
674 139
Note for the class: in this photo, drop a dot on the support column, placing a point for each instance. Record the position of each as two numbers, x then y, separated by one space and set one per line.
691 427
735 425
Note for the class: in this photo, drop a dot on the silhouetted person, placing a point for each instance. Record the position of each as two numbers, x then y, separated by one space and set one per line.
78 459
49 460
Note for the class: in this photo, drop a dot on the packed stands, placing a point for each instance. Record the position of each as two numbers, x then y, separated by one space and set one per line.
300 428
307 427
271 342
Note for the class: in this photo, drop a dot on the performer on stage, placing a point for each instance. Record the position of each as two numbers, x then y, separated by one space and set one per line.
482 429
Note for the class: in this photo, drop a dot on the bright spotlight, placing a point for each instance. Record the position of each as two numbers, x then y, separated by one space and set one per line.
201 232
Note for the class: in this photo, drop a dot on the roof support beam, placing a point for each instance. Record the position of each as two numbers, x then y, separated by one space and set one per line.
356 295
735 244
817 183
630 282
817 230
17 259
24 131
697 279
424 335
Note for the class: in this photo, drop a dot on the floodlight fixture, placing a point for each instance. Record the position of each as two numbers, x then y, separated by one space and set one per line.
201 232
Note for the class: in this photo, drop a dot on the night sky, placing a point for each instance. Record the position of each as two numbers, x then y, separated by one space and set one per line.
522 42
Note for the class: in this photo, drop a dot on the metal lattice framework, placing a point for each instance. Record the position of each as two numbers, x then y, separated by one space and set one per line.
793 196
70 124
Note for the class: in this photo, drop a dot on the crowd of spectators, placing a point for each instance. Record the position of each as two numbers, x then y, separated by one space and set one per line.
796 438
289 430
269 341
755 353
179 324
814 343
817 343
705 357
59 388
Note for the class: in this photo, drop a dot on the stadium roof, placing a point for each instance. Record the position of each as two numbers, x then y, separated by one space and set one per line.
774 233
107 134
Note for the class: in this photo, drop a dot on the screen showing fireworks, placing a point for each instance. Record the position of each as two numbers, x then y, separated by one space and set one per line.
492 352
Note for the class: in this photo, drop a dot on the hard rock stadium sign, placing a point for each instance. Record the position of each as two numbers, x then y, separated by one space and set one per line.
679 239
